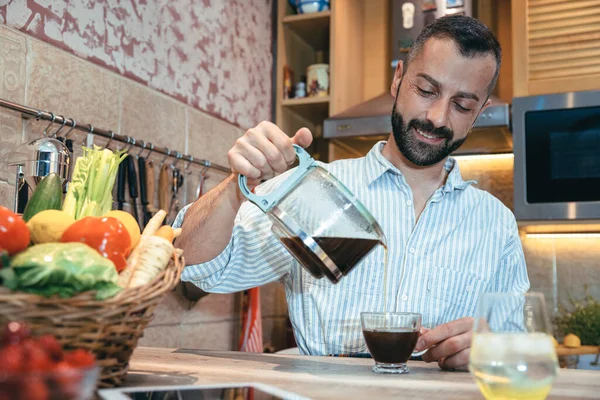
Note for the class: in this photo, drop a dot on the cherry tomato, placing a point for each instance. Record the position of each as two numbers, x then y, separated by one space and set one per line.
80 358
51 347
15 332
13 359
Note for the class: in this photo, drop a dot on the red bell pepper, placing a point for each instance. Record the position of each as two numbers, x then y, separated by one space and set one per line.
106 235
14 235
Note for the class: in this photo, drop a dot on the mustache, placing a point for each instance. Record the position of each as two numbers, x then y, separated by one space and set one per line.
430 129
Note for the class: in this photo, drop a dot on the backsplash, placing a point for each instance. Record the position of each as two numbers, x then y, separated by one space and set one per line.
212 55
38 74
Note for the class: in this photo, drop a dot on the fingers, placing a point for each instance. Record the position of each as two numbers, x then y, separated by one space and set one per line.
443 332
265 150
458 361
449 347
303 137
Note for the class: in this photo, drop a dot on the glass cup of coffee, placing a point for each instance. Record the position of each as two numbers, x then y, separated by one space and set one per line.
391 338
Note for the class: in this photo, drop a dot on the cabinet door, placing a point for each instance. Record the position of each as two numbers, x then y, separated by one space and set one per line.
555 46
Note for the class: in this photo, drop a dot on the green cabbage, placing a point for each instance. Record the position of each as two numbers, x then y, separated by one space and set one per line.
63 269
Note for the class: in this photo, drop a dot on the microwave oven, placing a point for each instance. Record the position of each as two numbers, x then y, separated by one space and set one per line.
557 156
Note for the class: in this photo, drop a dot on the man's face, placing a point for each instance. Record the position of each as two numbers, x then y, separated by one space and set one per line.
437 101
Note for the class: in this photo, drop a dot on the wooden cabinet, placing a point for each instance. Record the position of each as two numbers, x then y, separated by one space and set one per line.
353 38
555 46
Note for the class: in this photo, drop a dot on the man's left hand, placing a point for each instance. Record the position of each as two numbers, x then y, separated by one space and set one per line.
449 344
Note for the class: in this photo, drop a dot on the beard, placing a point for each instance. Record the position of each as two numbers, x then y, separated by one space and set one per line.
418 152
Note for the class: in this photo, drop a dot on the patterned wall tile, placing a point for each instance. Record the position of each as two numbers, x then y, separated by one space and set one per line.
13 60
213 55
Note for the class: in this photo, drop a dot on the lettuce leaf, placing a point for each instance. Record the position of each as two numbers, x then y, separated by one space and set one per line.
62 269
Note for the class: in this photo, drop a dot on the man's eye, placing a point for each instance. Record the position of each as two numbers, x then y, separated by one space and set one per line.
424 92
461 108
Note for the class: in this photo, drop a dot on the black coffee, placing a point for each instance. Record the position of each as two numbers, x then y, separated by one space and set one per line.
344 252
391 346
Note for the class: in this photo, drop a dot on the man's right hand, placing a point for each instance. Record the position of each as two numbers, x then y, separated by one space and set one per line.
264 151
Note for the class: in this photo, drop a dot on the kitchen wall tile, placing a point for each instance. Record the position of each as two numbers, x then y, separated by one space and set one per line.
150 116
161 336
209 335
578 262
13 61
494 175
170 310
210 138
213 307
7 195
541 266
67 85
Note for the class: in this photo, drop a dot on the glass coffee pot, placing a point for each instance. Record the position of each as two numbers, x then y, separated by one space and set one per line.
320 222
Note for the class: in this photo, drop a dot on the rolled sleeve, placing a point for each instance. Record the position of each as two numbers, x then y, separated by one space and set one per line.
253 257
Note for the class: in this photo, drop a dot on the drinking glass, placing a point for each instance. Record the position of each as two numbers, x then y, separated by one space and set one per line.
391 337
512 353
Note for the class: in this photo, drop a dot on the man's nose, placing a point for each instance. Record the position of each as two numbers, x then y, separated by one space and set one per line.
438 113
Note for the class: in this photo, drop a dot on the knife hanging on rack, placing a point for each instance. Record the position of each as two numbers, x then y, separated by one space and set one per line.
132 183
164 185
121 172
150 187
143 195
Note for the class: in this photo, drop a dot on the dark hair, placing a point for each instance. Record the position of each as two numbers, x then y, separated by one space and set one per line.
470 35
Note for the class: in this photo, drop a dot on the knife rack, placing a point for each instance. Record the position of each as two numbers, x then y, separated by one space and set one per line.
29 112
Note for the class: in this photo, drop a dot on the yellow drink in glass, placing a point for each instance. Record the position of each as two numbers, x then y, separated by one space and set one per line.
513 365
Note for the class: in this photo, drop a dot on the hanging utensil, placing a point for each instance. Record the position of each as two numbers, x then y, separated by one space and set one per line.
141 162
164 186
132 183
121 173
201 181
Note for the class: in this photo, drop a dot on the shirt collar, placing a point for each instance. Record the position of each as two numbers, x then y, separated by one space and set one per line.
378 165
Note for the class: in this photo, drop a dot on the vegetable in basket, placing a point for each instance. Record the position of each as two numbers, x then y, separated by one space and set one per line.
106 235
63 269
90 189
151 256
46 196
14 235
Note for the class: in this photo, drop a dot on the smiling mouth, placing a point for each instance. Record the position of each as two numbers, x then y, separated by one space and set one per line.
428 137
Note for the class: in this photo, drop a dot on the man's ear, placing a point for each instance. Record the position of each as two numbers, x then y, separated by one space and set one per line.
397 78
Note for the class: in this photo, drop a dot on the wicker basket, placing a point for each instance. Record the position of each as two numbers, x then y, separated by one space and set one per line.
109 328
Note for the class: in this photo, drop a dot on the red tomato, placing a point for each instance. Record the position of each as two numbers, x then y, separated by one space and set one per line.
51 346
13 359
14 235
36 358
66 378
107 235
34 389
80 358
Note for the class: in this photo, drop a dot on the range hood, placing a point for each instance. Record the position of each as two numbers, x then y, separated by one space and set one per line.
490 133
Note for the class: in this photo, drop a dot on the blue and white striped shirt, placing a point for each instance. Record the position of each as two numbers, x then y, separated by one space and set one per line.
464 243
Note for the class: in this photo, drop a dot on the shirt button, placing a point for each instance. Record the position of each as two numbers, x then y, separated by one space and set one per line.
408 203
412 250
404 297
468 288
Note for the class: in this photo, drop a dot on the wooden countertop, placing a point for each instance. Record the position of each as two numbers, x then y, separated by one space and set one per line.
325 377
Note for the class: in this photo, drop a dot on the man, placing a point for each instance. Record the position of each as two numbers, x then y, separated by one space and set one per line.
448 241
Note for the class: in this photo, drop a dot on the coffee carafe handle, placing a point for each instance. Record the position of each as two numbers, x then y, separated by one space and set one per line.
265 202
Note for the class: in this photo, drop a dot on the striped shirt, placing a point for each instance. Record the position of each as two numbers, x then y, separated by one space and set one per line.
464 243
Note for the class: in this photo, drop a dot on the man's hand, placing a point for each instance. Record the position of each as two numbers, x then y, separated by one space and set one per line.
449 344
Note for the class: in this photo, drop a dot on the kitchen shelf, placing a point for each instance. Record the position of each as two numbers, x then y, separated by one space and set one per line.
314 109
312 28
